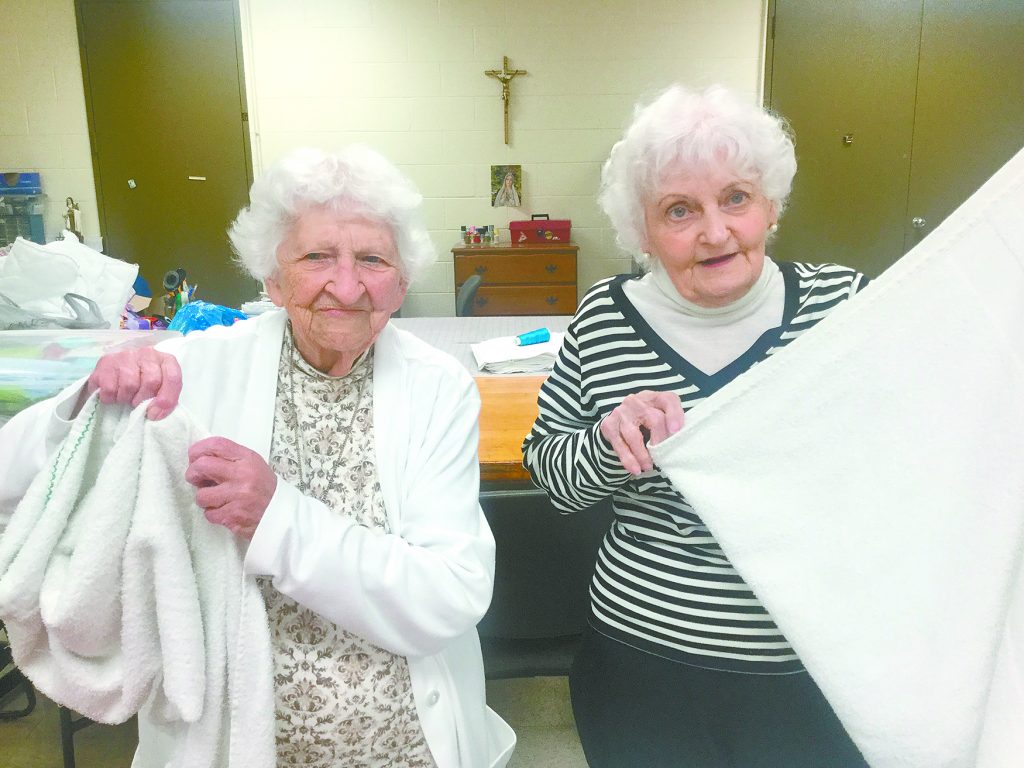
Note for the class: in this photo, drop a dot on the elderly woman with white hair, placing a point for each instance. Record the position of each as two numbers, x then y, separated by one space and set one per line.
684 666
345 461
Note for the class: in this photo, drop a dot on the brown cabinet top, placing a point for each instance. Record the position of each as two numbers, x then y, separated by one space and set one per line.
461 249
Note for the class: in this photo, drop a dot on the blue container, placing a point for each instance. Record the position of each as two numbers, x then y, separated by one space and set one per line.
20 183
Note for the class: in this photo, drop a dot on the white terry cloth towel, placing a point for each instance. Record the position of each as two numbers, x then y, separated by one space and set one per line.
119 596
868 483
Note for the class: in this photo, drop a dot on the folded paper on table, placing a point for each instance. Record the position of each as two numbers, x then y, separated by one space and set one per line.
867 483
503 355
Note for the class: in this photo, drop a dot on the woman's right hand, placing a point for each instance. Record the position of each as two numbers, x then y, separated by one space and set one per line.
131 376
658 414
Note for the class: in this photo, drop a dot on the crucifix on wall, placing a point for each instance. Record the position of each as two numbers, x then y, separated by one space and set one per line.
505 75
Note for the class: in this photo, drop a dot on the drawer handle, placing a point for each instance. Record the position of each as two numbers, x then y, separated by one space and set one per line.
551 268
480 269
481 301
551 300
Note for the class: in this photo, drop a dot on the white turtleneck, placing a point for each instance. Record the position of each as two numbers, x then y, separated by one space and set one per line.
709 338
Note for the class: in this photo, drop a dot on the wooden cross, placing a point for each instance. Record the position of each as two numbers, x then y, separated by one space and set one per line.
505 75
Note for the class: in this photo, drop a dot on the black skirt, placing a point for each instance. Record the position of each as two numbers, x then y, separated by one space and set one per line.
637 710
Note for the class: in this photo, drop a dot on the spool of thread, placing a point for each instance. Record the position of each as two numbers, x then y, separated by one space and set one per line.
533 337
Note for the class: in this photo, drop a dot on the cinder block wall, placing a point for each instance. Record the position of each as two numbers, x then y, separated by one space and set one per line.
407 77
43 125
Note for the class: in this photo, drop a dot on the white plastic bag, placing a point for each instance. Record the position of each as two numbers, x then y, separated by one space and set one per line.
36 278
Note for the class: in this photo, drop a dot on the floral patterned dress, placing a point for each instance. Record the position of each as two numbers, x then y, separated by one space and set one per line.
341 700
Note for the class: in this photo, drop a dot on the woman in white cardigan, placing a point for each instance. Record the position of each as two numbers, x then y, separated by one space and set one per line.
346 455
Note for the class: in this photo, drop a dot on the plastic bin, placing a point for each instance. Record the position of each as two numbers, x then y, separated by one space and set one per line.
35 365
21 216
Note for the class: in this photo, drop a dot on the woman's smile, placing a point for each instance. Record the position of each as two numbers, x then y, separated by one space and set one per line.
717 261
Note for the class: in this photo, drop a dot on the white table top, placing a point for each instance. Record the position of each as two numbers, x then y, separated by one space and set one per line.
454 334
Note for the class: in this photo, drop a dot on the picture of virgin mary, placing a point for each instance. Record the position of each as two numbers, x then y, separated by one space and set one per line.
506 186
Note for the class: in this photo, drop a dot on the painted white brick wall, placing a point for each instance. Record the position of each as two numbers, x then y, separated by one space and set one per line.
406 77
43 124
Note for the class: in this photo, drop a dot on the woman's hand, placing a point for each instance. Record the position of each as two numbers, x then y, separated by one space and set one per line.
233 484
647 416
133 375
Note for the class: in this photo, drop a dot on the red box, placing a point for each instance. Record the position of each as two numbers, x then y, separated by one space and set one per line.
540 229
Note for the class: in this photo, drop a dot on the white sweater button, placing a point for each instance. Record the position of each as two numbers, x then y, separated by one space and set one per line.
433 698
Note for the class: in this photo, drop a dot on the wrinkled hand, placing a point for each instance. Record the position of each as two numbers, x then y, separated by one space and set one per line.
133 375
641 418
233 484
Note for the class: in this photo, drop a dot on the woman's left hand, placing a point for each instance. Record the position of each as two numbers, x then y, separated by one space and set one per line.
642 418
233 484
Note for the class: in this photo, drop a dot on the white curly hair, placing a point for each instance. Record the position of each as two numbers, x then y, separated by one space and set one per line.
688 128
353 179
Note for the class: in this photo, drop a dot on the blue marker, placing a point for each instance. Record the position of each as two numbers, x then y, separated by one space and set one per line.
533 337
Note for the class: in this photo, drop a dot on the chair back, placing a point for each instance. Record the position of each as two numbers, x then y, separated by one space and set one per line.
543 566
464 298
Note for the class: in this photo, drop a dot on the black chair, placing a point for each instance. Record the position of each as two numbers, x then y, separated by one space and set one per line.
13 681
464 298
543 568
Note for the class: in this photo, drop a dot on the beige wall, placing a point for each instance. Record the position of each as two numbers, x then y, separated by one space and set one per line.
43 124
406 76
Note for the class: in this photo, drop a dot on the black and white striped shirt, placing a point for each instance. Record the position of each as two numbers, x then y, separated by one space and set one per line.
662 583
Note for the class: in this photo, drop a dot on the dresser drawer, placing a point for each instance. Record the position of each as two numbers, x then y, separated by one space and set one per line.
511 268
525 300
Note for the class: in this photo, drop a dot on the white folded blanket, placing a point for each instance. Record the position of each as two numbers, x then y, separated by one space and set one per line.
119 596
868 483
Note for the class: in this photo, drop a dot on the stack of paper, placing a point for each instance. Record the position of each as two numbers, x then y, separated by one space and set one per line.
502 355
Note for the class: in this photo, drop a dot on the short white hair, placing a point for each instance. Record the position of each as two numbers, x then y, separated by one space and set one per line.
686 128
354 179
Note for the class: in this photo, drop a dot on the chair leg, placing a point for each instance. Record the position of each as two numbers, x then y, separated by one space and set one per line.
9 683
67 737
68 726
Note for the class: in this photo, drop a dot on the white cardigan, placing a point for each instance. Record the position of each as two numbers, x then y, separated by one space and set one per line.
418 591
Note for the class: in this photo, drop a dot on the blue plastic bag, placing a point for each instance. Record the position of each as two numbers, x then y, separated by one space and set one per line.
197 315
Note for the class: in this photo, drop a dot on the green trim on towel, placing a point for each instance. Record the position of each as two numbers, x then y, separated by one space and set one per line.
74 449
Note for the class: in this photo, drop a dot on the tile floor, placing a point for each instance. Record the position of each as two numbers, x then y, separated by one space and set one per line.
537 708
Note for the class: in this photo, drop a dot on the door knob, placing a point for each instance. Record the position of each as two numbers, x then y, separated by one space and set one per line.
918 222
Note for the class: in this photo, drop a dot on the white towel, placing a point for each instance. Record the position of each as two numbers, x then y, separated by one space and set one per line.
868 483
119 596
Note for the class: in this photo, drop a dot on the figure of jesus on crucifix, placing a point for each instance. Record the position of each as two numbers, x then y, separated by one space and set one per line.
505 75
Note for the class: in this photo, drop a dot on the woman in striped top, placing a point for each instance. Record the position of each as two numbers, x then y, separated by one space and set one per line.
684 666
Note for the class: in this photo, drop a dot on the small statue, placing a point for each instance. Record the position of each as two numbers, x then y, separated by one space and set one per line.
71 216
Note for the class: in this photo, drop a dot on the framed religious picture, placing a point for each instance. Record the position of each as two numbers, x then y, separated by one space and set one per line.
506 186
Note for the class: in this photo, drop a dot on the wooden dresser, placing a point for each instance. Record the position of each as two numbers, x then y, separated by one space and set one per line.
519 279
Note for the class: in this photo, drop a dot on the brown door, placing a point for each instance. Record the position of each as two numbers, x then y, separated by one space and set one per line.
844 75
166 108
970 104
931 96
